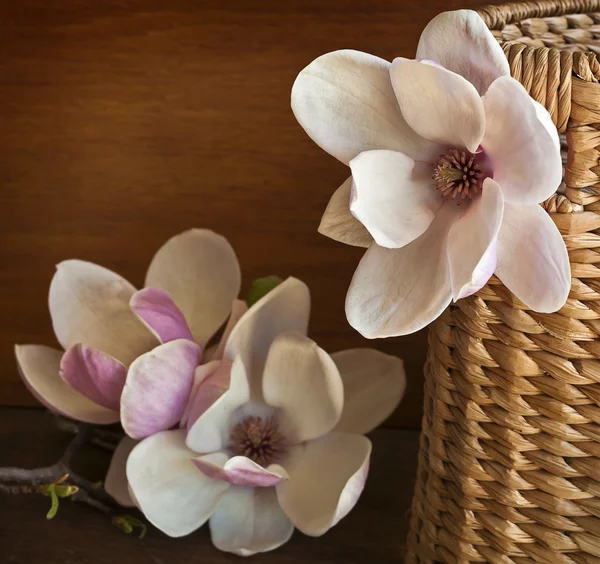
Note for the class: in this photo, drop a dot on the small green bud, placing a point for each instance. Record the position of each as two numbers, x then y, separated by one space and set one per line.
261 287
127 523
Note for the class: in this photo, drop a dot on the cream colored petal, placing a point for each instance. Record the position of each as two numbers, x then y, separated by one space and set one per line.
89 304
171 492
303 382
523 150
532 258
438 104
115 483
461 42
339 224
286 308
374 384
345 102
326 478
39 367
399 291
248 521
200 272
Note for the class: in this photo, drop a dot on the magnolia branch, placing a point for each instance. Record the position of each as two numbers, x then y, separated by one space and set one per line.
59 481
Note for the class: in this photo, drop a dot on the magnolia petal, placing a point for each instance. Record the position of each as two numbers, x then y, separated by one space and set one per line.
438 104
394 197
532 258
238 309
345 102
170 491
339 224
472 242
39 367
461 42
240 471
399 291
95 374
157 388
326 478
374 384
214 380
115 483
303 382
248 521
202 373
524 154
210 431
201 273
89 304
160 314
286 308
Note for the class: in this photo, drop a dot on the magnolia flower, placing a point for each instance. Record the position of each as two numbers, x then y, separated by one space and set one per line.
105 327
274 437
449 158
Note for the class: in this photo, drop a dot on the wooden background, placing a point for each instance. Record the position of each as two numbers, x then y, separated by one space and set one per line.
125 122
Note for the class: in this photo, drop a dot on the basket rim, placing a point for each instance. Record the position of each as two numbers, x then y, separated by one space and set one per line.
496 17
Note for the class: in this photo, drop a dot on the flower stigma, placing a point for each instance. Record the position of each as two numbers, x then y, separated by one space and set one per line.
258 439
459 175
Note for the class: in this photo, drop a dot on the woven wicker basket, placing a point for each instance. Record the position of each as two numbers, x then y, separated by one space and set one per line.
509 465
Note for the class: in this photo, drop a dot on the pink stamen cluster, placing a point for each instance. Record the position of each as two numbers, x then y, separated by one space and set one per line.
258 439
458 175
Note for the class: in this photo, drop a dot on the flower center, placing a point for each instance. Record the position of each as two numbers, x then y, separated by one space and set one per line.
459 175
258 439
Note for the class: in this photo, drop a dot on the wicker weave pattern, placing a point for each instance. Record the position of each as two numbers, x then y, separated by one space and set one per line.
509 468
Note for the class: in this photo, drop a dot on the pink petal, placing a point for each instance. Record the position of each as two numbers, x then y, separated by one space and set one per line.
214 380
238 309
374 384
95 374
438 104
90 305
199 270
472 242
399 291
157 388
240 471
286 308
39 368
532 258
202 373
339 224
461 42
524 155
211 431
394 197
168 488
160 314
345 102
303 382
326 478
115 483
248 521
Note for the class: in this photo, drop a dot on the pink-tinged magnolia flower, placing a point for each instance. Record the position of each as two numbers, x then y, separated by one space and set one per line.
449 158
106 327
274 437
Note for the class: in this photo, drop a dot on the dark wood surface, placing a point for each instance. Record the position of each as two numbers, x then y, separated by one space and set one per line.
374 532
124 122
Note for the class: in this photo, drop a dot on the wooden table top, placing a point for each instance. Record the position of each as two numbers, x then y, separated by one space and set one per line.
374 531
124 122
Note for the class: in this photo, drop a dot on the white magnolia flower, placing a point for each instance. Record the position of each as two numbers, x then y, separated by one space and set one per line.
274 436
106 327
449 158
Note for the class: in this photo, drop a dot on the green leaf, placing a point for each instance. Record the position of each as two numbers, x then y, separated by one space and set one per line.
51 491
261 287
